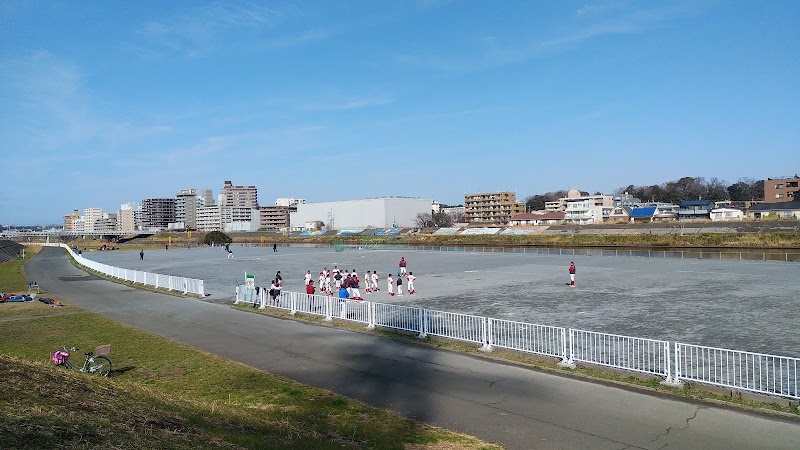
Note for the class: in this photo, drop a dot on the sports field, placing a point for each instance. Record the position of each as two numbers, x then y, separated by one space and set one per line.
741 305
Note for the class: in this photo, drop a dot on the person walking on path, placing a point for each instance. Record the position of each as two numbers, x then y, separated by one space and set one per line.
141 255
274 247
571 274
402 265
410 277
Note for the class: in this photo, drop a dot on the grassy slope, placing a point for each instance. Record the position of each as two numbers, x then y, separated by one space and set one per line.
166 395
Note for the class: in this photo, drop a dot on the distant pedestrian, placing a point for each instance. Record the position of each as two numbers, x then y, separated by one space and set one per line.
399 286
166 246
390 285
571 274
274 247
410 277
310 289
230 253
278 277
141 255
368 281
307 278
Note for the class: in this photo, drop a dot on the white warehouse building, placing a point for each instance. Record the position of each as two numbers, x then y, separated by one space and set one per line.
383 212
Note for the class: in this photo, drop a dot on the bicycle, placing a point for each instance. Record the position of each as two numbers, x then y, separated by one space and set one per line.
96 362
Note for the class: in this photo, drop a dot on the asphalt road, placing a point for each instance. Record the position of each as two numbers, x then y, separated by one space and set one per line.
513 406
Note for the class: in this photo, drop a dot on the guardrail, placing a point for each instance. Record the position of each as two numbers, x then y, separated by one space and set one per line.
755 372
158 281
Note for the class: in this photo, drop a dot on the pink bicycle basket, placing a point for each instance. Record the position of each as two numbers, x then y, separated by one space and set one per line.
60 357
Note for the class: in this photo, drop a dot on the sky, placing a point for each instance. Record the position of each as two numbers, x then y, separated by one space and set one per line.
108 102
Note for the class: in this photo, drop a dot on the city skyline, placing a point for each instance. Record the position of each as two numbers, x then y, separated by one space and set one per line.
119 102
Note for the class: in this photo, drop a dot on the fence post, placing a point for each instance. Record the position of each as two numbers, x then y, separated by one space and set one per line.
292 303
668 363
171 282
202 289
568 359
486 331
237 295
328 308
343 313
370 315
262 299
678 371
185 285
422 323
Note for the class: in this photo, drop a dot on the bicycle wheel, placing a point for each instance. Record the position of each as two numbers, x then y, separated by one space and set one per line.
100 366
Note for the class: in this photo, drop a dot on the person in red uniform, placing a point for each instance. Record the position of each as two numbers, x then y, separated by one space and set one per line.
571 274
310 289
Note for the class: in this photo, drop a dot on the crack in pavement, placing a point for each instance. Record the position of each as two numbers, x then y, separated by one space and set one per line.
670 429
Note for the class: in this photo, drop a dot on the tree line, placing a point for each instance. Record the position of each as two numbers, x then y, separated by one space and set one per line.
686 188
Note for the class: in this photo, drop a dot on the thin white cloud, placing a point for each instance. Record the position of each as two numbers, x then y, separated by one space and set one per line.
49 106
200 32
596 21
348 104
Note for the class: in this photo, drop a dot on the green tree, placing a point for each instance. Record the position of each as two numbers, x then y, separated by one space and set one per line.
217 237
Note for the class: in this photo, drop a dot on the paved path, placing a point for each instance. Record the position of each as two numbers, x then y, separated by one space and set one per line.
514 406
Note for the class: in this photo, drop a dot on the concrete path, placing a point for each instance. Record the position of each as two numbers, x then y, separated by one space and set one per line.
514 406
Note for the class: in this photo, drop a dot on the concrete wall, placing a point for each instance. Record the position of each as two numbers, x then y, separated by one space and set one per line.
366 213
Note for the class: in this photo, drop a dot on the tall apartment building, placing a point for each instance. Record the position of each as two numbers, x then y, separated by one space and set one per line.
126 218
491 208
783 189
208 198
275 217
157 213
90 218
186 208
208 218
239 196
70 220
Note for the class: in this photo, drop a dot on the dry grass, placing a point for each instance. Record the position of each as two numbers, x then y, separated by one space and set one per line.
166 395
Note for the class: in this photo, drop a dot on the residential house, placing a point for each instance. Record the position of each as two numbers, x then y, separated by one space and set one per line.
720 214
620 214
537 218
785 210
695 209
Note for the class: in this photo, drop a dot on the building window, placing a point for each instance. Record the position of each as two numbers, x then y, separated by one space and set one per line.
778 195
779 186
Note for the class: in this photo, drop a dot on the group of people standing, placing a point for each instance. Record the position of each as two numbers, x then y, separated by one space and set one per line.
347 285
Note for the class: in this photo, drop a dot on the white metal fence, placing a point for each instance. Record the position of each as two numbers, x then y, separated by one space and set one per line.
159 281
756 372
621 352
766 374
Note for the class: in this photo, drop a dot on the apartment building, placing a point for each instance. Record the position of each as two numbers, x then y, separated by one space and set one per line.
208 218
70 220
782 189
186 208
90 217
239 196
158 213
126 218
276 217
290 202
491 208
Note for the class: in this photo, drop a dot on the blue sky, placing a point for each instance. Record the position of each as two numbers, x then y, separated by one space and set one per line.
109 102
